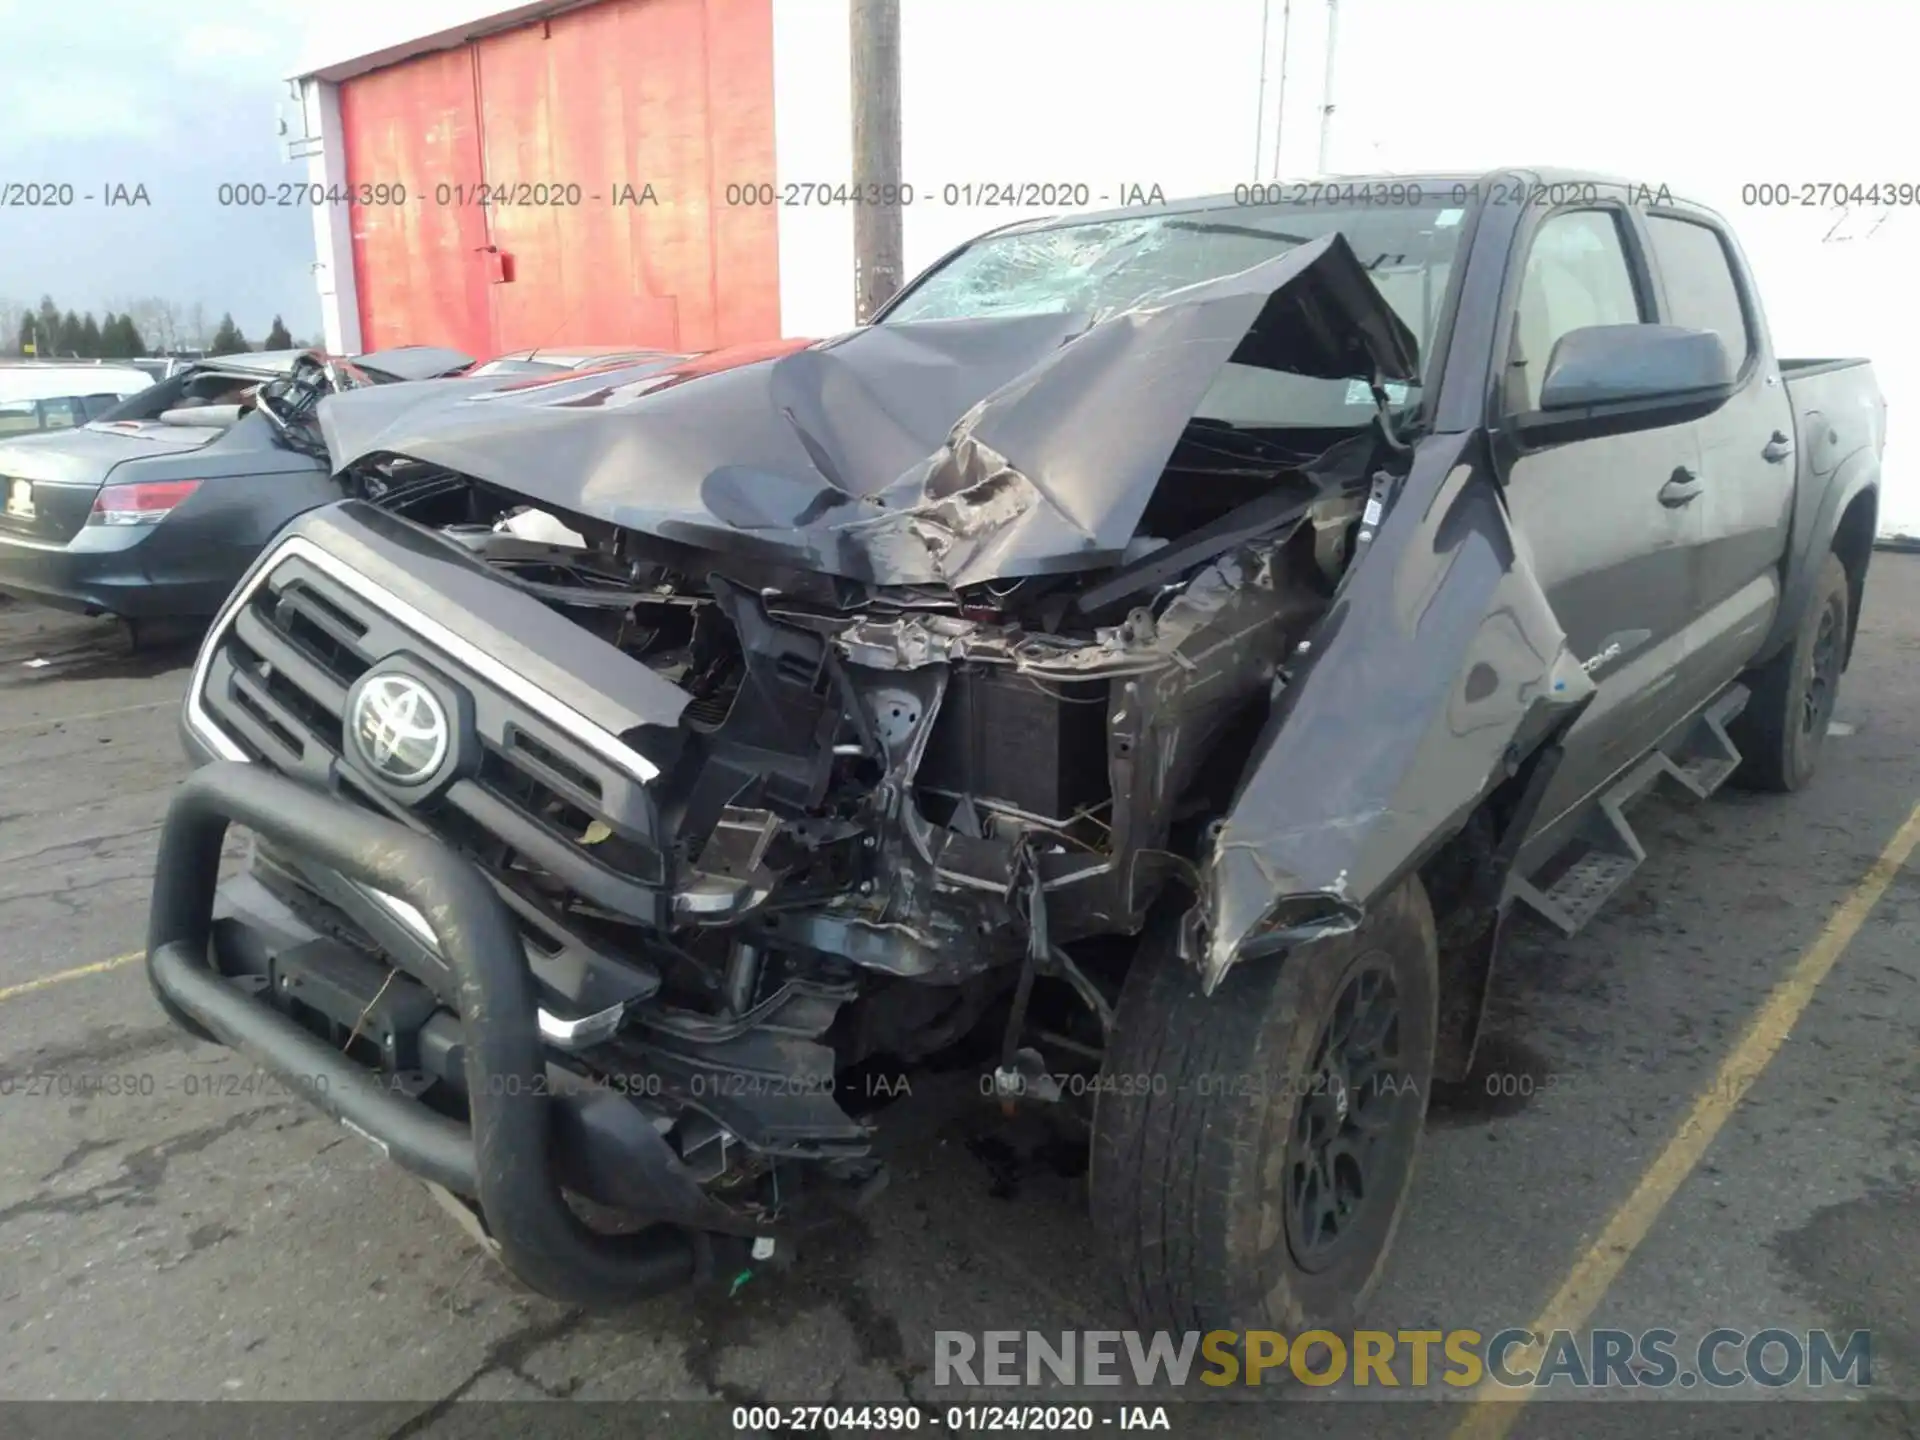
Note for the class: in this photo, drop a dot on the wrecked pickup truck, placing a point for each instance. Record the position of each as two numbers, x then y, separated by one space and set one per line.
1159 652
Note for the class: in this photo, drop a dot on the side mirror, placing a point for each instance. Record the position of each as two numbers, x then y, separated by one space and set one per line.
1613 379
1609 364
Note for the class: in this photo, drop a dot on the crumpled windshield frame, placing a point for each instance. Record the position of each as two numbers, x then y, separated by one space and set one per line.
1397 239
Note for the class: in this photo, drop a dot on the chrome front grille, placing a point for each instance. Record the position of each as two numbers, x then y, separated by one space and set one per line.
564 833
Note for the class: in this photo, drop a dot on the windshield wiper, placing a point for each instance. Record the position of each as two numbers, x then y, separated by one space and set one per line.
1204 436
1215 228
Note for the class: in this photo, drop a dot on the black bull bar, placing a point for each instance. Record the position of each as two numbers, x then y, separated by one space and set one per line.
504 1157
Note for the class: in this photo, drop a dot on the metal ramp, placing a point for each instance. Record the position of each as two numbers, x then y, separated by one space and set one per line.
1607 852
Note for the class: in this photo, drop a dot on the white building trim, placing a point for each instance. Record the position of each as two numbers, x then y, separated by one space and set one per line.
333 271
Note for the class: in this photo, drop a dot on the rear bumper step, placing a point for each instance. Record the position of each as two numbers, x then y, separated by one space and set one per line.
522 1138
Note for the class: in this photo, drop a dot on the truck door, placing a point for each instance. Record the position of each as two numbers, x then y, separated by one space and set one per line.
1607 538
1746 470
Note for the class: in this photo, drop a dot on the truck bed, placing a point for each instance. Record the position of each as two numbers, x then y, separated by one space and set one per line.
1792 370
1838 413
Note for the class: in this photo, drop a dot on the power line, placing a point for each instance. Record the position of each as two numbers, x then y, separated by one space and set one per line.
1280 107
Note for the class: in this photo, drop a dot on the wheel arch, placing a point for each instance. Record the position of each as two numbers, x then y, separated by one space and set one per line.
1845 515
1440 667
1466 878
1853 544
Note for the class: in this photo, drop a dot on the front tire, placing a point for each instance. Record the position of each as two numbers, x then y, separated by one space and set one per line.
1780 732
1252 1149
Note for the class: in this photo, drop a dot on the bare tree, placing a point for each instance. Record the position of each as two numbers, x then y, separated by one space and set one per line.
158 322
11 313
46 327
196 331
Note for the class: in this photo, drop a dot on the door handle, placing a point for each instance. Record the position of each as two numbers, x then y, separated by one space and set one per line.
1776 449
1680 488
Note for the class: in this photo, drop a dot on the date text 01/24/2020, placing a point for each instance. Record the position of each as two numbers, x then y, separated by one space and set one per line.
389 194
968 194
141 1084
955 1419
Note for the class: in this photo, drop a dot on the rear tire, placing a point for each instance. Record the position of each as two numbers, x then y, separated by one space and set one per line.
1780 732
1251 1153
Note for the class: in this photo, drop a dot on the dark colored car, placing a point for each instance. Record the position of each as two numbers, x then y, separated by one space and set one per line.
1160 650
153 508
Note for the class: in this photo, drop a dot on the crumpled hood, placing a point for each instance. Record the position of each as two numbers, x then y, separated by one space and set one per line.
940 452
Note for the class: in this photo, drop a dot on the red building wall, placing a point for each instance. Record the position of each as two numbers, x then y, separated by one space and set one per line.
611 98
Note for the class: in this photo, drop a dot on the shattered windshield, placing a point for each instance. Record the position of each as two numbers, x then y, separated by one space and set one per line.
1100 268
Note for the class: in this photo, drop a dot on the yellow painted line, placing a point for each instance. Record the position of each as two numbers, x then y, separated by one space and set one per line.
1497 1407
60 977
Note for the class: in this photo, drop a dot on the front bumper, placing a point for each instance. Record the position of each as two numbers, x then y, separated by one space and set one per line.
527 1136
118 570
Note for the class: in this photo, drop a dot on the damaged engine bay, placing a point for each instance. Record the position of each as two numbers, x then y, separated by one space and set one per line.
885 774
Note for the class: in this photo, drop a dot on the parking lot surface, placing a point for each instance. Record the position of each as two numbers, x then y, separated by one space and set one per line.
202 1235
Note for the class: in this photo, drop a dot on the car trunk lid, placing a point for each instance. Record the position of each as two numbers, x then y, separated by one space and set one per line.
48 482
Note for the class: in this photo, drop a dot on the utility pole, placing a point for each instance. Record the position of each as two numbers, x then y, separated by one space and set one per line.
1280 109
879 248
1326 93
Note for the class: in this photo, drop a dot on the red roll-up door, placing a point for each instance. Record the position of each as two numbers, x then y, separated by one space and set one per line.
415 262
600 142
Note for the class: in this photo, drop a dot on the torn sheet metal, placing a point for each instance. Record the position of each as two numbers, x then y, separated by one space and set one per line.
1439 663
942 452
1178 675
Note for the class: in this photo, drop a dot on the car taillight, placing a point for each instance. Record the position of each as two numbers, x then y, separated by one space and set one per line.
143 504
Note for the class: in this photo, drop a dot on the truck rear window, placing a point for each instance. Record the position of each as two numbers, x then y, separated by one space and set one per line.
1700 288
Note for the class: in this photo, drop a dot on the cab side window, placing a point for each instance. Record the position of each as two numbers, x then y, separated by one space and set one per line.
1700 288
1576 275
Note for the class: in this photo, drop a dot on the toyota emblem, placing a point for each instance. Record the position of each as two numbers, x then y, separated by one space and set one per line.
400 728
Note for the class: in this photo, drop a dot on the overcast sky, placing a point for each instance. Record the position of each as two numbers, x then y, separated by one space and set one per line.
178 98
